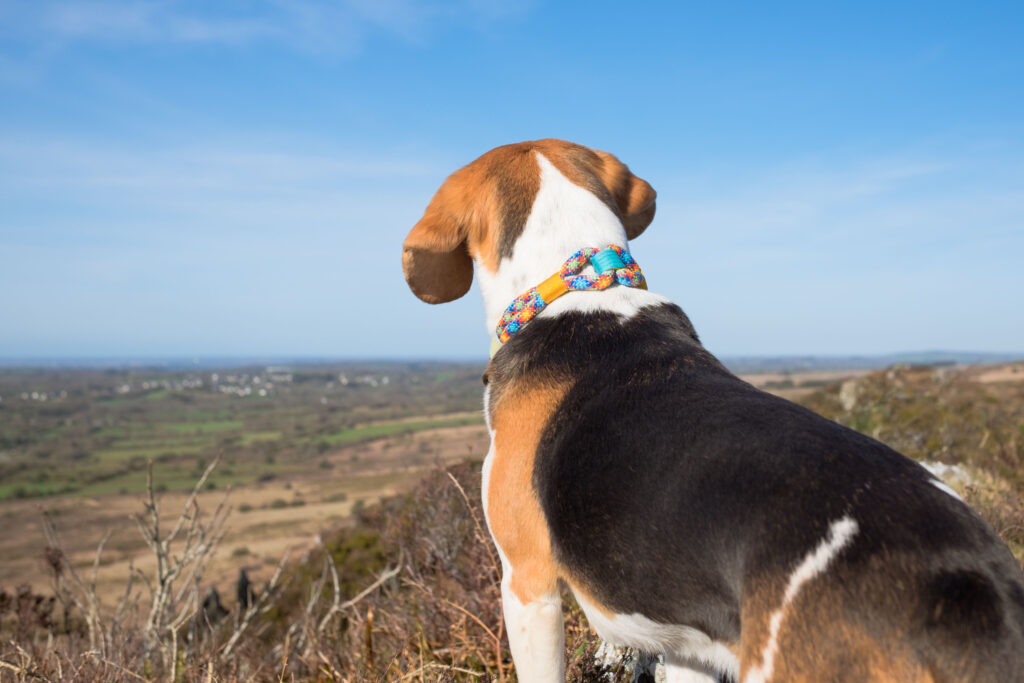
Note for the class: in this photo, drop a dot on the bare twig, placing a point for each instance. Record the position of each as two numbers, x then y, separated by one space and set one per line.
302 626
337 608
284 655
116 666
22 671
484 539
257 605
84 596
169 610
96 561
443 667
126 600
480 535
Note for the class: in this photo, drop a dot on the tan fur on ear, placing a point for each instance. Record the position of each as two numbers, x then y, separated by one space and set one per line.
435 257
634 196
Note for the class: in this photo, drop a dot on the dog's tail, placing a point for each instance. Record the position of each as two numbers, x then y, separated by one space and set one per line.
971 625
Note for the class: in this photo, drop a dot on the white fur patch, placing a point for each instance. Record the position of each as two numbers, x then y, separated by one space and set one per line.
943 473
680 643
816 561
536 635
487 411
564 219
945 488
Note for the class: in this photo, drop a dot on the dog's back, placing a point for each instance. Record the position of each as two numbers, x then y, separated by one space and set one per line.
811 551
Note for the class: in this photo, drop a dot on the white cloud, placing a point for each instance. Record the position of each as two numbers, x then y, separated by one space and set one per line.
335 27
209 164
218 246
208 191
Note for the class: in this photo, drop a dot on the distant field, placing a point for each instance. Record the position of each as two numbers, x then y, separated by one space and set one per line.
274 509
91 432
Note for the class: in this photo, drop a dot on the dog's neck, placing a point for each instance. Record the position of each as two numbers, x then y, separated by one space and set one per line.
565 218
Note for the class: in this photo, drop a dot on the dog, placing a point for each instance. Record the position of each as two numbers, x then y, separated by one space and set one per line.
691 514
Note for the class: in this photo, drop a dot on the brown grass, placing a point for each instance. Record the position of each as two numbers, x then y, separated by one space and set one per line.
408 591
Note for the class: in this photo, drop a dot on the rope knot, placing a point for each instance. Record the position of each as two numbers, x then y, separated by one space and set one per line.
613 264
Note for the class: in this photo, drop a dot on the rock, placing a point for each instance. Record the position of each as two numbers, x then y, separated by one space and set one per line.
849 391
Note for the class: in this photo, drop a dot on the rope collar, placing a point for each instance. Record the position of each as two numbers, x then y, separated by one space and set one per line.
613 265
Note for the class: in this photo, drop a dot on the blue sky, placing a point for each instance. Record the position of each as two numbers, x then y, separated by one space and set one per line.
236 178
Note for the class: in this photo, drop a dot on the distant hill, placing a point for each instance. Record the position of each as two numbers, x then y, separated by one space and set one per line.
738 364
759 364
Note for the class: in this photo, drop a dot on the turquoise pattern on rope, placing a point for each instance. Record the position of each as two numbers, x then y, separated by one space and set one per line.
527 305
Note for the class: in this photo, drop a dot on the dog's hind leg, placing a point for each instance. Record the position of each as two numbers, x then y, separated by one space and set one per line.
535 634
530 575
686 670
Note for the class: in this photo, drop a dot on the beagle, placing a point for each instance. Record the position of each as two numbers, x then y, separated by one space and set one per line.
741 535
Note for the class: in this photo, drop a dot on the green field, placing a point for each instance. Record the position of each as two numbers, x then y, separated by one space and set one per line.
376 431
95 430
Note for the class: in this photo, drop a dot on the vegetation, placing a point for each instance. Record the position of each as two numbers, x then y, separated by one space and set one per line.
407 591
406 588
91 432
972 418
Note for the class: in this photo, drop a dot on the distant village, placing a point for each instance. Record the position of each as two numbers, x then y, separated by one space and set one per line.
239 384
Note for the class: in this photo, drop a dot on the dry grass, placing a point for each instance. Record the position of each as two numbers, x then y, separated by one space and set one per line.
970 417
408 591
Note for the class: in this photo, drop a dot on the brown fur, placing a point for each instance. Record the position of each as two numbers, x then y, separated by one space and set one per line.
821 639
480 211
513 510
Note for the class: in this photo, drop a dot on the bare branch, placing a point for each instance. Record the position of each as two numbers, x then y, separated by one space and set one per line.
116 666
96 562
84 596
336 608
443 667
4 664
191 502
256 607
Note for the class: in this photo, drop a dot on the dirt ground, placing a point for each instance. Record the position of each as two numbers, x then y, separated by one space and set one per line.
803 382
1011 372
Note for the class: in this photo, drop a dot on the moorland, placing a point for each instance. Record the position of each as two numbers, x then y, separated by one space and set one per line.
332 476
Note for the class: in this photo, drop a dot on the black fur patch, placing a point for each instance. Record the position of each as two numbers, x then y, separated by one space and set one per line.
964 600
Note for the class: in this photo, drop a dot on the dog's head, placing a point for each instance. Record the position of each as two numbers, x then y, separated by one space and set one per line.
481 209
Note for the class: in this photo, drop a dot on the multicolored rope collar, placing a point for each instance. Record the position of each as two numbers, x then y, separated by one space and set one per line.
613 264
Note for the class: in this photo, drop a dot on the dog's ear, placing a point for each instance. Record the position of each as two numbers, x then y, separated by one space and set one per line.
435 257
634 196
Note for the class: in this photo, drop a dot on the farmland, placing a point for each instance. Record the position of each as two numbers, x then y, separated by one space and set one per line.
299 447
92 432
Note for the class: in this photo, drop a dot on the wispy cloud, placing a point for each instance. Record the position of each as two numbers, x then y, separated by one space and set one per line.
139 248
308 25
108 193
880 198
75 163
872 255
